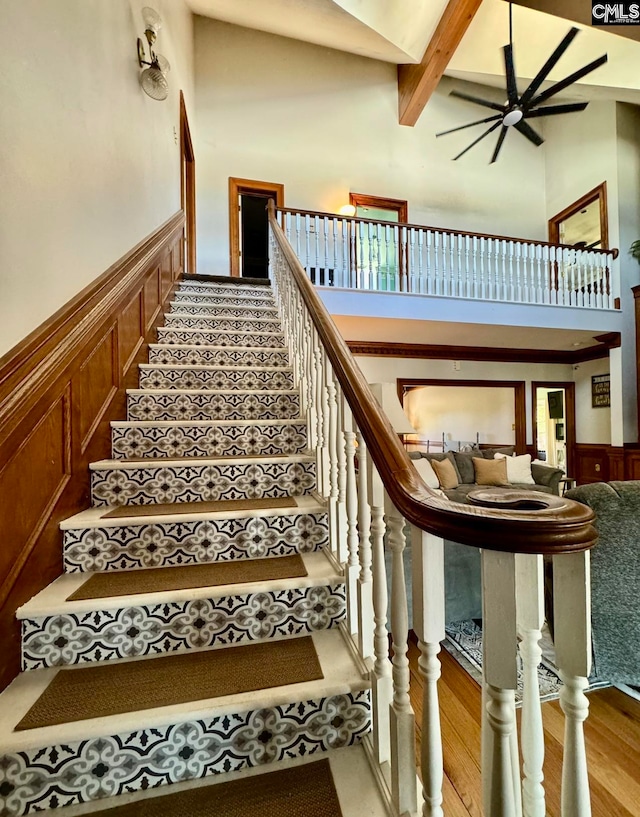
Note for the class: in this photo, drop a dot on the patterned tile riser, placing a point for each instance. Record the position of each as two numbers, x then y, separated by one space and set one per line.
216 311
129 547
182 321
208 441
156 378
199 406
55 776
186 356
250 300
145 630
171 335
148 485
227 291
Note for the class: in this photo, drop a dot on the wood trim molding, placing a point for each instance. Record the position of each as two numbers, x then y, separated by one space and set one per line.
59 389
416 83
188 187
371 348
400 206
236 188
405 385
598 193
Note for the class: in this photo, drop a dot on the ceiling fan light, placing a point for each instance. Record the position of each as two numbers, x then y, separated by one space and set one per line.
154 83
512 117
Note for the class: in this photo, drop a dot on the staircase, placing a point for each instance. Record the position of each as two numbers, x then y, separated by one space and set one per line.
197 637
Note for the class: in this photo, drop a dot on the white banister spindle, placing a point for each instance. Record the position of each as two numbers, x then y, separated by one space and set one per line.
343 525
512 278
381 682
428 272
428 625
436 273
338 545
499 646
353 565
365 536
530 604
401 716
322 458
572 637
412 262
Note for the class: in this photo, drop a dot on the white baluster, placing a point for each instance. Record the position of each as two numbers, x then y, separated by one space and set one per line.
298 233
343 526
572 637
428 624
415 283
530 603
346 266
505 284
353 566
499 647
430 269
366 533
402 719
381 682
434 276
322 460
475 291
338 544
307 234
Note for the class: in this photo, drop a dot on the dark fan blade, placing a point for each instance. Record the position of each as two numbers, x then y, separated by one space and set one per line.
475 141
564 83
510 71
546 69
503 133
528 131
485 102
552 110
471 124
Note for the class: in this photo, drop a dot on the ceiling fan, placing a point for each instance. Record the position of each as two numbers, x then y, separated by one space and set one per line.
519 108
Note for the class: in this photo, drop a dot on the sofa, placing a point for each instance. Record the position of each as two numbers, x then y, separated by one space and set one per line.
546 479
615 578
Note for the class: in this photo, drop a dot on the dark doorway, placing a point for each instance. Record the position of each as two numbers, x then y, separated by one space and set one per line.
254 236
249 225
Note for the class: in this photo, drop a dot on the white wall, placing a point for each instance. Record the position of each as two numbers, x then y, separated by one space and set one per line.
89 165
324 123
462 413
388 369
593 425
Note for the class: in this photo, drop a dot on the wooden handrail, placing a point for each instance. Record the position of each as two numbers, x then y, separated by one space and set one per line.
511 521
614 252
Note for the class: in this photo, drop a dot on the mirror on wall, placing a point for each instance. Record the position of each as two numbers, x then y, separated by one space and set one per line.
584 223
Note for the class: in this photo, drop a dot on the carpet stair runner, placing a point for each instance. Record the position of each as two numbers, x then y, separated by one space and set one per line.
197 636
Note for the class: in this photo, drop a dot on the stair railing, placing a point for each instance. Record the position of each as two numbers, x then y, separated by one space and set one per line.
373 491
358 253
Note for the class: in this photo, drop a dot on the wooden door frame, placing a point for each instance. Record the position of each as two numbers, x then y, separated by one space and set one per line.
406 384
569 420
238 187
188 187
598 193
399 205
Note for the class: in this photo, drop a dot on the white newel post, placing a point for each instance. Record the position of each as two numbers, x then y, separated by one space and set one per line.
428 625
401 715
382 687
501 795
572 636
530 603
365 532
353 566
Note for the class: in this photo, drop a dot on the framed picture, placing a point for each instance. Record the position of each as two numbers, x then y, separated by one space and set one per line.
600 391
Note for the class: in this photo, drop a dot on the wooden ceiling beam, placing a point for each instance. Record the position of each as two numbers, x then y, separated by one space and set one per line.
416 83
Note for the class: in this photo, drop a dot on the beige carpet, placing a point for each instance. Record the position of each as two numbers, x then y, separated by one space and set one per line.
95 692
130 582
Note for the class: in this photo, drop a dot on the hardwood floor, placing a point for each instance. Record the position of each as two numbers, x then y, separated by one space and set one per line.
612 735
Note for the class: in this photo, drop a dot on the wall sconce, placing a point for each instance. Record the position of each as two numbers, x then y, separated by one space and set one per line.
347 210
153 79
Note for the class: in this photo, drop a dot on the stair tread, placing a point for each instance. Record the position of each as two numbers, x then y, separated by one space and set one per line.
187 582
348 765
95 517
342 673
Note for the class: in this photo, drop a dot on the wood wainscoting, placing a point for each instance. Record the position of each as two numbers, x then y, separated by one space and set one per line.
601 463
59 390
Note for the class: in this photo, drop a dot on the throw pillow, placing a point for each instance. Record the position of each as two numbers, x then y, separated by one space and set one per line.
490 453
464 464
424 468
490 472
518 469
446 474
447 456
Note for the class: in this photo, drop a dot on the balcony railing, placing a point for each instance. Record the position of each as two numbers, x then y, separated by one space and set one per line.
379 256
